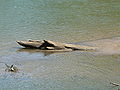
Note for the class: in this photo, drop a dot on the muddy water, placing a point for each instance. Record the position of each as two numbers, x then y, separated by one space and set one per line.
94 23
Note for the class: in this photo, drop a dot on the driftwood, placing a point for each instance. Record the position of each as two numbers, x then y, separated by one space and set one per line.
114 84
11 68
53 46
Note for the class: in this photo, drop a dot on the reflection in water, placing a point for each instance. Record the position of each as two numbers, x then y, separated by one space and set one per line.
45 53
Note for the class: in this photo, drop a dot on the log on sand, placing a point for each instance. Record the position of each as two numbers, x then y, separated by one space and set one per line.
55 46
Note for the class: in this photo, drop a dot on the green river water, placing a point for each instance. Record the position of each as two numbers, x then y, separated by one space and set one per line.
87 22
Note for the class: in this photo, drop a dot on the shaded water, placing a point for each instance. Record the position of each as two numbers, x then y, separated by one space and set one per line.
89 22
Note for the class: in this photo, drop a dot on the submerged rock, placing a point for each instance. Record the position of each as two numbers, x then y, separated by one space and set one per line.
51 45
